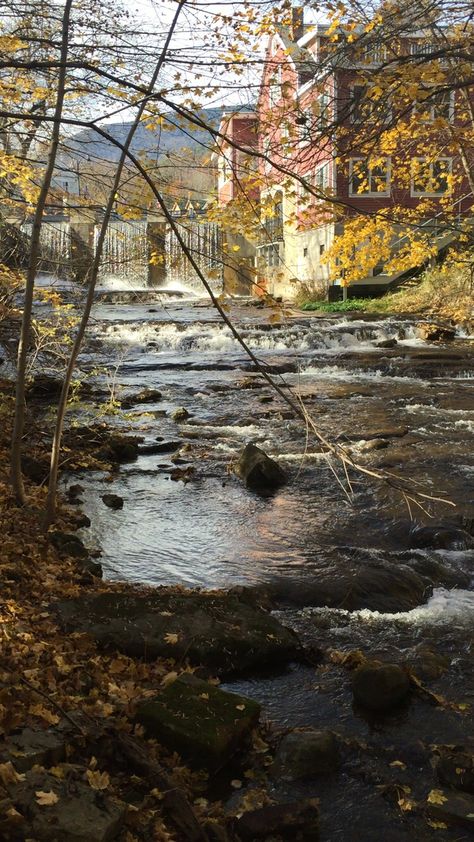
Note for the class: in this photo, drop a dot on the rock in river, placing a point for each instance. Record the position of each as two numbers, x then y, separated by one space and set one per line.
213 629
199 720
295 821
380 687
305 754
112 501
259 472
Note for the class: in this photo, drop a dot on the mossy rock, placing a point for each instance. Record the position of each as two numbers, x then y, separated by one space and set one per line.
216 630
200 721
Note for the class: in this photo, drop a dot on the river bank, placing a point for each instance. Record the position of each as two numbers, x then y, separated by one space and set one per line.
368 594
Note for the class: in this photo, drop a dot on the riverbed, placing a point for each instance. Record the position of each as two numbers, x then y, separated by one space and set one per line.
348 566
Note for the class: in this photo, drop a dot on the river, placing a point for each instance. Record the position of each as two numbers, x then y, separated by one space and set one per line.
348 572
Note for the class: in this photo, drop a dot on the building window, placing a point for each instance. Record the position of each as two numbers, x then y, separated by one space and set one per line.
365 180
437 106
322 112
422 48
364 109
303 125
321 177
274 90
322 249
270 255
431 178
373 54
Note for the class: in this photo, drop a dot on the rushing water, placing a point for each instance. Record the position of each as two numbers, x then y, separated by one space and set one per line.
345 571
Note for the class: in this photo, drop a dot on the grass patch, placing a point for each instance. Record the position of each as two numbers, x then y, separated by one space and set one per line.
443 292
336 306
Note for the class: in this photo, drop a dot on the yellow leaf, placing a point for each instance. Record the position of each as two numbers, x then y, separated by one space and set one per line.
406 804
9 775
169 678
240 707
236 784
97 780
436 796
204 696
43 713
171 637
437 825
398 763
46 799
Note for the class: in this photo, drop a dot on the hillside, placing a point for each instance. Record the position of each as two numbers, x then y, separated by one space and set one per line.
171 139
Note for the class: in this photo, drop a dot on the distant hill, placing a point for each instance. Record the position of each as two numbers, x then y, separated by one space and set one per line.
154 143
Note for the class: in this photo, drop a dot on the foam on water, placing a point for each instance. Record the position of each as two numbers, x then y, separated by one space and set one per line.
444 607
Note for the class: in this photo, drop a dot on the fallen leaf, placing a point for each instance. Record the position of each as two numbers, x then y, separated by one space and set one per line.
98 780
43 713
46 799
437 825
398 763
204 696
169 678
236 783
171 637
9 775
240 707
436 796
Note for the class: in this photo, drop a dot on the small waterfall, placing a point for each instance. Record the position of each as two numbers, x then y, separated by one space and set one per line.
125 254
204 241
55 244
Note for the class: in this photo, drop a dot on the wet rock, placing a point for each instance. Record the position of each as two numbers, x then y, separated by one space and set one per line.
80 814
385 432
297 821
112 501
74 491
215 630
123 448
180 414
440 538
144 396
374 444
91 568
456 769
386 343
34 748
451 807
199 720
35 468
306 754
380 687
434 332
259 472
79 520
68 544
159 447
45 387
428 665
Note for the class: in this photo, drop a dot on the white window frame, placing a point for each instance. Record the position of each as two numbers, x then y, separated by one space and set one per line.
431 108
371 115
373 55
326 166
422 48
370 194
423 193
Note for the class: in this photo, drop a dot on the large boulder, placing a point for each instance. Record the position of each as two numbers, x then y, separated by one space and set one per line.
434 332
440 537
199 720
456 769
296 821
380 687
146 395
259 472
305 754
60 810
211 629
